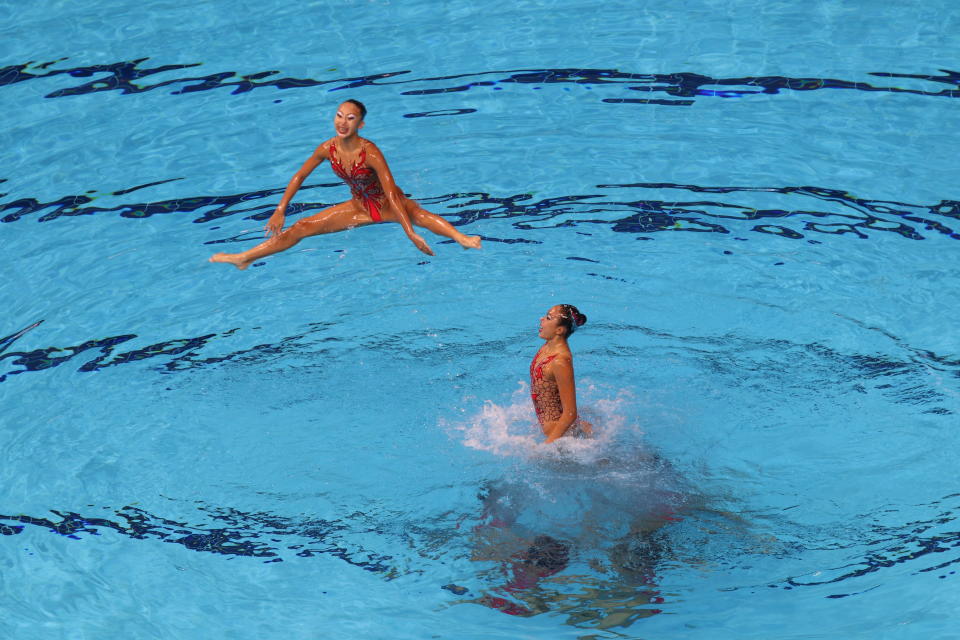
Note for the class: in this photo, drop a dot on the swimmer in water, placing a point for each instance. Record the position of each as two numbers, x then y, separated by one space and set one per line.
376 197
552 386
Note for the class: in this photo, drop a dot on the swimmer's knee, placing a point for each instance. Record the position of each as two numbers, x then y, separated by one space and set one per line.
417 216
298 230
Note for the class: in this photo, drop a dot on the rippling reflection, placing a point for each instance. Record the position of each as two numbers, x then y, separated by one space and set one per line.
925 545
637 213
233 533
129 77
619 588
903 380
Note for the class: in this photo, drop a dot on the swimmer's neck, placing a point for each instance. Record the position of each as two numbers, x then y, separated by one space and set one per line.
556 343
350 143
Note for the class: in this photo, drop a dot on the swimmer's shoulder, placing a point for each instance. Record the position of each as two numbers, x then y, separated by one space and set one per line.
563 359
323 149
371 148
558 361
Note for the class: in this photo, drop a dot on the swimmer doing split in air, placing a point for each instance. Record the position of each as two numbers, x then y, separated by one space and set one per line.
552 387
376 197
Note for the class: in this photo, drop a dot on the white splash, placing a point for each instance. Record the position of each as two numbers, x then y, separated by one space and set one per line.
511 430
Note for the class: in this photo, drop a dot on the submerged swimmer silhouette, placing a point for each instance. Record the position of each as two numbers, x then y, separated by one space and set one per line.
544 557
513 510
376 197
552 386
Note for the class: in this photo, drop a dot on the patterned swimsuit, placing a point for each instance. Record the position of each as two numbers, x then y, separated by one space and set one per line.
362 181
536 375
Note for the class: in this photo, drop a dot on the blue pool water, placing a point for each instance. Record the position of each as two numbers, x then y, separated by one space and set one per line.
754 203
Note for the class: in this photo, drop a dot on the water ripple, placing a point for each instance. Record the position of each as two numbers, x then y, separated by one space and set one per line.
233 533
855 215
128 76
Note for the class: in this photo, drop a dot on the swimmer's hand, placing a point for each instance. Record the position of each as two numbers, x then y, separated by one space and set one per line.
586 428
552 430
275 223
421 244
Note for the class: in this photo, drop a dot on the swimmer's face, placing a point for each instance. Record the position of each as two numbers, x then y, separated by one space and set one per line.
550 323
347 121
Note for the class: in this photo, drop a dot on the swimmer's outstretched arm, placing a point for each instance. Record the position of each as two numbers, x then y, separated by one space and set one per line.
275 223
376 160
562 370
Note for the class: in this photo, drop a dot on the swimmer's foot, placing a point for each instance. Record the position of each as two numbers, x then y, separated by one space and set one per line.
470 242
231 258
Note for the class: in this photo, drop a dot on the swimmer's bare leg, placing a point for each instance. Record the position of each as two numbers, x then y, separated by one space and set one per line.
434 223
336 218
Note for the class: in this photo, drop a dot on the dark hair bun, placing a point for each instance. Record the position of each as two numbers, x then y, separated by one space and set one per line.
573 316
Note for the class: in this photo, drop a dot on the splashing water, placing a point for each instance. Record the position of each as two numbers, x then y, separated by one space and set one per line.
572 488
511 430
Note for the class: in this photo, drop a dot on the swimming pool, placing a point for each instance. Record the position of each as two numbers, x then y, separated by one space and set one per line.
755 205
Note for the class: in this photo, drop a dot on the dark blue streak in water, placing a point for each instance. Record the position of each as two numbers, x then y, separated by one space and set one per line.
642 216
6 342
668 103
217 206
904 381
238 534
186 351
123 192
253 535
127 78
892 546
441 112
41 359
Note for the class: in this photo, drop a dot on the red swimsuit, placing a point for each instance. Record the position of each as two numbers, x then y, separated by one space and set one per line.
362 181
